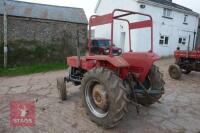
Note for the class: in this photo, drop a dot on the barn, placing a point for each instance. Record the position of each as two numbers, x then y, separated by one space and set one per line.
39 33
174 25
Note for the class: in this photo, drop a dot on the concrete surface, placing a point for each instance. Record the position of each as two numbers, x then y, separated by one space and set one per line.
178 112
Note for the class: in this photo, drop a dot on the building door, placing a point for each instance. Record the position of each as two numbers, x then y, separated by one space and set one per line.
122 40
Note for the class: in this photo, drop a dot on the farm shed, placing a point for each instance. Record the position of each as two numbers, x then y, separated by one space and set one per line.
39 33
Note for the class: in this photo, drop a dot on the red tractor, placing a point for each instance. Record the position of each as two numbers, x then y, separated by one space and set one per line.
101 47
110 82
186 62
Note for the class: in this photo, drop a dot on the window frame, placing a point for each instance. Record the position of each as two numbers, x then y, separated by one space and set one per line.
164 39
183 40
185 19
167 13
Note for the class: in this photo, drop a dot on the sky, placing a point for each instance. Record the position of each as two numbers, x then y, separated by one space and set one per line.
89 5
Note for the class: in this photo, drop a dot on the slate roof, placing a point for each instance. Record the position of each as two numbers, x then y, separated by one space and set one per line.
163 2
42 11
168 3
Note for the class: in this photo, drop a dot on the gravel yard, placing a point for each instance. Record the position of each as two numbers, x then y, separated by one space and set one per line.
178 112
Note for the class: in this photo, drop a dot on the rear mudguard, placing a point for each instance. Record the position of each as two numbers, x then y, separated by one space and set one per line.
140 63
137 63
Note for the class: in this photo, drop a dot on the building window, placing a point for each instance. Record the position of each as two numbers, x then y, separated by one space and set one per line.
167 13
164 40
182 40
185 19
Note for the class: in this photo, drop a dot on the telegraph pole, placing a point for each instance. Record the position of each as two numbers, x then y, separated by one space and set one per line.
5 35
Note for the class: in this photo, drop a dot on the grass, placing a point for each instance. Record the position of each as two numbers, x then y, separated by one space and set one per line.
30 69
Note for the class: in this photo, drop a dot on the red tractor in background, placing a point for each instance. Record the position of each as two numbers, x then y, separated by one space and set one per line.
109 82
101 46
186 62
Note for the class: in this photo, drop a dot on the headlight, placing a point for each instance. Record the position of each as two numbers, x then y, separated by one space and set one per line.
120 51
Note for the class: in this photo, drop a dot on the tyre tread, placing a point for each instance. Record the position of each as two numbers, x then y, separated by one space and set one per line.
117 94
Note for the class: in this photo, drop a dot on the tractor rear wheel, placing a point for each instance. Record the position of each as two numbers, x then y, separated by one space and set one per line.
153 82
104 97
175 71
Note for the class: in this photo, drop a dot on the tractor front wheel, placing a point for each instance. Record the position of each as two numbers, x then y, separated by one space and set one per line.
61 86
175 71
104 97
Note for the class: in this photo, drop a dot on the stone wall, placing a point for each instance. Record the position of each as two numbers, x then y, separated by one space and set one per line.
33 41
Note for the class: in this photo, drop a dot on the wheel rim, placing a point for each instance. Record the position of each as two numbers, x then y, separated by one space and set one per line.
96 98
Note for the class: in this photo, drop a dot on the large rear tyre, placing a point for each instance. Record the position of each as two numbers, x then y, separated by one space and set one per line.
153 82
104 97
175 71
61 85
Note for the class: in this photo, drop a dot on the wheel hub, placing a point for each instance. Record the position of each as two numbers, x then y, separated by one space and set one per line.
99 96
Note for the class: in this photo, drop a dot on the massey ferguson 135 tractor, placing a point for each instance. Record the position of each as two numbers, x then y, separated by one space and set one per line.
108 82
186 61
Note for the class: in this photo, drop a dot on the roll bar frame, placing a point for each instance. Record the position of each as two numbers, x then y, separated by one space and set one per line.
96 20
